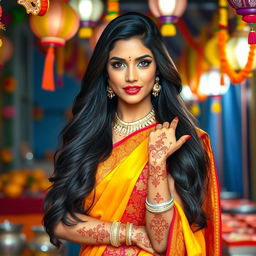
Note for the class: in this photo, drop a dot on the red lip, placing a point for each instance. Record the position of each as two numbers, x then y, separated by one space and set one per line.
132 89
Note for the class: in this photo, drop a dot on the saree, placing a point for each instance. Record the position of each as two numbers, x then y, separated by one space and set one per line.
120 194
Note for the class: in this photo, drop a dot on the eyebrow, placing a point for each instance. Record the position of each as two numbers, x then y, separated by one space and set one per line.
139 58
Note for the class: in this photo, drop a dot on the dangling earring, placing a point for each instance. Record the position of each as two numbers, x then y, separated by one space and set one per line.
156 87
110 93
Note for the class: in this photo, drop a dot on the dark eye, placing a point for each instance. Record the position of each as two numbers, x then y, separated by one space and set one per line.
117 64
144 63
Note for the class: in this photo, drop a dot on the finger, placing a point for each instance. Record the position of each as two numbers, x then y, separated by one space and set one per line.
158 126
174 123
166 125
182 140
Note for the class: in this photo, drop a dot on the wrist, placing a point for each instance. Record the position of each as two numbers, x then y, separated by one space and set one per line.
158 162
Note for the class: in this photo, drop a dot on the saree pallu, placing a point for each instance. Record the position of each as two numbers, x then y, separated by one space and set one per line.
120 194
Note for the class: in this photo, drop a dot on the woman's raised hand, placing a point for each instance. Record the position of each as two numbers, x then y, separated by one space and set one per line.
163 143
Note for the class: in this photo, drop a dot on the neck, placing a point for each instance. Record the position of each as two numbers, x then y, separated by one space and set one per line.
133 112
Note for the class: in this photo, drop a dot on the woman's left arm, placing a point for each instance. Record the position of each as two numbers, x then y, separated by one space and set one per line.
162 143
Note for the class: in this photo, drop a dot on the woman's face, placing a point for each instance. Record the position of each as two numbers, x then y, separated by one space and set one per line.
131 71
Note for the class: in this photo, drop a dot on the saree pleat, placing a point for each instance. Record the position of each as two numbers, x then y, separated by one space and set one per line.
121 192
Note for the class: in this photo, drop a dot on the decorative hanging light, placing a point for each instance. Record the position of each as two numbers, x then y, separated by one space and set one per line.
89 12
6 50
169 12
112 12
36 7
210 83
238 50
246 8
58 25
235 77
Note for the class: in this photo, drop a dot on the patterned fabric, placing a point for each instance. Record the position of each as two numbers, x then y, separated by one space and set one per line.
181 239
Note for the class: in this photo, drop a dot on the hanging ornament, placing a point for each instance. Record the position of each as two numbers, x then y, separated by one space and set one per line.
35 7
66 23
246 8
6 50
112 9
89 12
112 12
195 109
169 12
235 77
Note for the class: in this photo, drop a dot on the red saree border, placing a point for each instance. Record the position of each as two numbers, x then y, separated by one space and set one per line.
216 187
171 231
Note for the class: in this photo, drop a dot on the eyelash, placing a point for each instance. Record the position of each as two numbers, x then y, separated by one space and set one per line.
119 65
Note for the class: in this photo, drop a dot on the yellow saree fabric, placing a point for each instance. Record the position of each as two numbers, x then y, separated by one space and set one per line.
116 179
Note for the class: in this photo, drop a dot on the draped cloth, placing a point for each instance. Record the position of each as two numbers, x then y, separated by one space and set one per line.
120 194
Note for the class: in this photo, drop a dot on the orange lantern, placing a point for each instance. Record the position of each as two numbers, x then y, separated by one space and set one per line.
6 50
58 25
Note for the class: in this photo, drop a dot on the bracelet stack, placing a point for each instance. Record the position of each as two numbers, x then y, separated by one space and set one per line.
128 234
115 234
161 207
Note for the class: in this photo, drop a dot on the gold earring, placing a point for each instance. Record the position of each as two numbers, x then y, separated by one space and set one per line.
156 87
110 93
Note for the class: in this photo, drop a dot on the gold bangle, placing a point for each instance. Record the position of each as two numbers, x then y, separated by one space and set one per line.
128 234
115 234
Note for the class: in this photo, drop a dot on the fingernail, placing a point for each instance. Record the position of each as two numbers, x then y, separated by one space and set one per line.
176 118
189 136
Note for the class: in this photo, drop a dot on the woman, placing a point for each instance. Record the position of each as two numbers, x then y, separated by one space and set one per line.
133 175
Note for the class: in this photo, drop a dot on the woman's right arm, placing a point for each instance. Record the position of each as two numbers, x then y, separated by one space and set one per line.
97 232
91 232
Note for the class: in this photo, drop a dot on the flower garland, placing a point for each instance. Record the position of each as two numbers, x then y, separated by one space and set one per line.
200 54
235 77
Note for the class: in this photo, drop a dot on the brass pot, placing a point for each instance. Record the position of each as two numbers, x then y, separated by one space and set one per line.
12 241
40 245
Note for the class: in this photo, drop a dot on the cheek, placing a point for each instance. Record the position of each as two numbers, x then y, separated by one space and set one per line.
114 78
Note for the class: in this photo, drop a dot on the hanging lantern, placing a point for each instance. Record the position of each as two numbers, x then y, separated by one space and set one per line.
58 25
6 50
210 83
247 9
89 12
238 50
36 7
169 12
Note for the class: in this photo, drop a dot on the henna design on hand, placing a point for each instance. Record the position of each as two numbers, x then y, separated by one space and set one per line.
159 225
99 233
141 238
156 173
158 198
159 149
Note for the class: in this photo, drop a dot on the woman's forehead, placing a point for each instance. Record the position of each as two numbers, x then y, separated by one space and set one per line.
129 48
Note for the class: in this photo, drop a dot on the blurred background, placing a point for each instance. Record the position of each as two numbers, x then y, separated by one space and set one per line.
208 42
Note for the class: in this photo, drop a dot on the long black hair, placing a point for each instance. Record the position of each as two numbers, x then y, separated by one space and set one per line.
87 138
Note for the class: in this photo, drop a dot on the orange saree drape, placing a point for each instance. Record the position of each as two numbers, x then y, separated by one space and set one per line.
121 192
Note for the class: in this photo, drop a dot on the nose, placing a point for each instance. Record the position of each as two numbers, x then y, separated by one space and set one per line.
131 74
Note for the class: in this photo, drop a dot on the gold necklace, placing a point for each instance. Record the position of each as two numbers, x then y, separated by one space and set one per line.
126 128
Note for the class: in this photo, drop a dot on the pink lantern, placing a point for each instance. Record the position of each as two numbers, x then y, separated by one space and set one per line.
247 9
169 12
